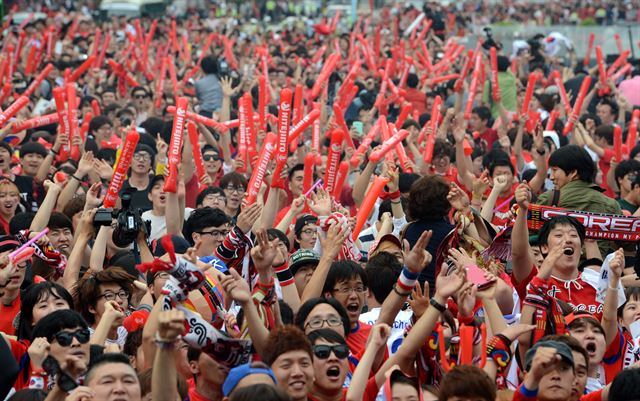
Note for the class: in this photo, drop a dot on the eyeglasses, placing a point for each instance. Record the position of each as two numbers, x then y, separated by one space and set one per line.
208 157
332 321
65 338
341 351
142 96
111 296
143 157
309 231
218 198
239 189
347 290
215 233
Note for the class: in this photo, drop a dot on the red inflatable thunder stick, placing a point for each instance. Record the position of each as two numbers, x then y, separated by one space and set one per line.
557 79
262 102
368 202
388 145
266 153
617 142
242 134
175 147
13 109
201 119
309 165
82 68
284 115
575 113
472 88
192 131
385 135
343 172
72 113
587 57
633 130
35 122
120 172
333 159
327 69
495 90
63 121
602 73
36 82
251 133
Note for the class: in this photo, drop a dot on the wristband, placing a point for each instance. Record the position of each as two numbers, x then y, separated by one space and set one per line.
437 305
407 279
499 349
74 176
390 195
465 319
164 343
396 202
526 392
53 151
402 294
284 275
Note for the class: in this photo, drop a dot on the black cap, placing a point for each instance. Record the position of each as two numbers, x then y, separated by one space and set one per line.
303 221
302 257
561 348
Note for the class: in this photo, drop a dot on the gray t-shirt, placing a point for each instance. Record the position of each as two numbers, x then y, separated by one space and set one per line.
209 93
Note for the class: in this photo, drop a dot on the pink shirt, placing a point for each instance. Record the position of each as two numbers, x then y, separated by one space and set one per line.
630 88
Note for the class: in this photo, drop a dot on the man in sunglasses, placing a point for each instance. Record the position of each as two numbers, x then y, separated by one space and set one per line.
60 351
330 364
215 167
142 102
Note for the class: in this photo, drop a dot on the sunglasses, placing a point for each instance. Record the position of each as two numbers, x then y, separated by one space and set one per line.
140 96
208 157
65 338
324 351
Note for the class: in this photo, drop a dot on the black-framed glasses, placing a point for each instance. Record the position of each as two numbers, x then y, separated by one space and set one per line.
347 290
215 233
214 197
209 157
111 296
140 96
309 231
239 189
332 321
143 157
322 351
65 338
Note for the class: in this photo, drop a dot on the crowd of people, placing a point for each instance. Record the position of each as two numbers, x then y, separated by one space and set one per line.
193 210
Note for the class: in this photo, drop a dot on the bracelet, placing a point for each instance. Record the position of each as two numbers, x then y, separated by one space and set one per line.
441 308
283 273
396 202
164 343
74 176
407 279
53 151
402 294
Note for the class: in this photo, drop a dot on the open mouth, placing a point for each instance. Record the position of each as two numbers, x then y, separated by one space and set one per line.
590 347
333 371
163 198
298 385
353 307
568 251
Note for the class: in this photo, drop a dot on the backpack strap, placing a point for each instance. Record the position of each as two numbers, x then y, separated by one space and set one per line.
555 198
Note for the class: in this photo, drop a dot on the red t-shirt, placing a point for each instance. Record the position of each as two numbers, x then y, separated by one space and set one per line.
7 315
489 136
619 355
357 339
502 207
195 396
370 391
577 293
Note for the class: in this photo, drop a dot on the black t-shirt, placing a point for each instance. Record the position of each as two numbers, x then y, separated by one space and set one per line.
140 198
31 194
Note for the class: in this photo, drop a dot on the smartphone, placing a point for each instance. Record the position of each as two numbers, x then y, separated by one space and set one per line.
476 276
359 127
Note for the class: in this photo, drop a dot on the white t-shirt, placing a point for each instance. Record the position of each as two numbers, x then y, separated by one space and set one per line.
401 323
159 223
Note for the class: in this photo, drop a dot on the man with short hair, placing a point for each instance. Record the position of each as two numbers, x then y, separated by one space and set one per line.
111 377
139 178
631 200
296 176
32 155
206 229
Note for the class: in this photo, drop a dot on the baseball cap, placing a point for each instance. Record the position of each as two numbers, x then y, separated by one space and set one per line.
8 243
386 242
179 244
240 372
303 221
301 258
562 349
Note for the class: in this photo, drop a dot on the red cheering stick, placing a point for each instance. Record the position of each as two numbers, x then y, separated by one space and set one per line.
95 107
405 110
13 109
602 73
173 76
36 82
388 145
35 122
262 102
6 91
633 129
617 142
84 128
284 116
587 57
495 83
318 54
103 51
72 115
333 159
555 75
29 67
177 131
202 120
96 44
309 165
192 131
621 72
575 113
303 124
618 42
622 59
531 84
428 150
465 71
373 193
122 166
63 121
551 121
252 134
242 133
472 88
266 153
82 68
343 172
326 71
315 134
297 116
339 118
385 135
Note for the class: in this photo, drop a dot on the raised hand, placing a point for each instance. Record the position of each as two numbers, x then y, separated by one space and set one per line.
248 216
467 299
336 235
523 196
236 287
616 268
38 351
419 301
447 285
500 183
320 202
379 335
94 197
458 199
417 258
461 258
264 252
170 324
